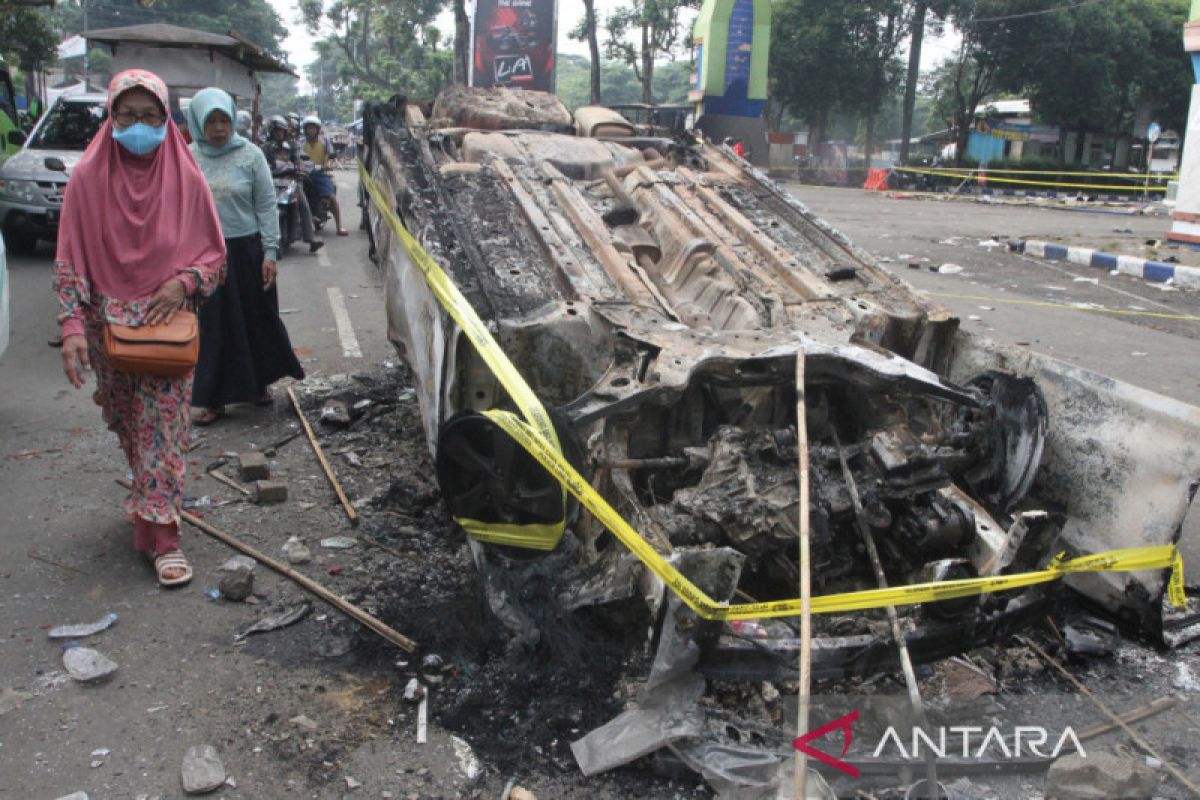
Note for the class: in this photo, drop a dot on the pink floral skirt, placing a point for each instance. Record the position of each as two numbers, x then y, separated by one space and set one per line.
151 417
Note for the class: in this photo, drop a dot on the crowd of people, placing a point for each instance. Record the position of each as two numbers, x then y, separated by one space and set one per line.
154 228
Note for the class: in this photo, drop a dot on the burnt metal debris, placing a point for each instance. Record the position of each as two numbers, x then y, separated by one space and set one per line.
655 293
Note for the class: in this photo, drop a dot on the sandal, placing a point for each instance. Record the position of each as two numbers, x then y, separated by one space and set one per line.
208 416
172 560
343 232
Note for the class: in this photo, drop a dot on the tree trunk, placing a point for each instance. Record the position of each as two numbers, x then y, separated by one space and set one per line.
593 48
962 133
462 41
869 144
914 70
647 67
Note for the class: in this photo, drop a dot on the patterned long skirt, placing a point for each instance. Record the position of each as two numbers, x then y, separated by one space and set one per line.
151 417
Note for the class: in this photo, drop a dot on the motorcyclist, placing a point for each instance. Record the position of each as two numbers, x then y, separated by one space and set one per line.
284 159
244 124
320 152
293 123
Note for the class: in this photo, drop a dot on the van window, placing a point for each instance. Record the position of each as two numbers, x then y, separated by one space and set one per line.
69 126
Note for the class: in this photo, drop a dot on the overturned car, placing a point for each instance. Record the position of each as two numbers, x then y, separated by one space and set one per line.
656 294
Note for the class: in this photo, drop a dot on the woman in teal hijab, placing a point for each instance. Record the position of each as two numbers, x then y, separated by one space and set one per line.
244 346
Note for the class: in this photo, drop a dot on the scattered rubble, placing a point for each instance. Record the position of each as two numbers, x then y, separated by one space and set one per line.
1098 776
238 585
87 665
296 552
202 771
84 630
253 466
282 619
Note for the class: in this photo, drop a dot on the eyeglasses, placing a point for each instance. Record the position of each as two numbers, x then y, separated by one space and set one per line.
127 118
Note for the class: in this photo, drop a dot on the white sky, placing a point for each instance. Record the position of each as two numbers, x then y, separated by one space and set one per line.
299 43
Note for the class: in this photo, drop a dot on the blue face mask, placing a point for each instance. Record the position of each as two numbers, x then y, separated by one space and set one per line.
139 138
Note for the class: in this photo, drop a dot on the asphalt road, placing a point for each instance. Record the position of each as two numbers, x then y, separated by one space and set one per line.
1118 325
64 554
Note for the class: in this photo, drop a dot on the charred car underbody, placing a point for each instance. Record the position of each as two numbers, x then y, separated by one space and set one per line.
656 294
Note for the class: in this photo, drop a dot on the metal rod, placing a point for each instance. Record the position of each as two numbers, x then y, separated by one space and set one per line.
910 676
805 690
665 462
316 446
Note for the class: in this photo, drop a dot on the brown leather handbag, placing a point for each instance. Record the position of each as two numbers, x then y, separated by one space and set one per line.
169 350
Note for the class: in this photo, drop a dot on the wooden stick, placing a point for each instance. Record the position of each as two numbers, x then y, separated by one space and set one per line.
1156 706
217 475
305 582
1116 720
316 446
805 691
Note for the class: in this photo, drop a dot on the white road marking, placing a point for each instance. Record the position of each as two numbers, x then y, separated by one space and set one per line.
323 259
341 316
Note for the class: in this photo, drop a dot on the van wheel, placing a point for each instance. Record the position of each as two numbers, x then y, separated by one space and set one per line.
20 240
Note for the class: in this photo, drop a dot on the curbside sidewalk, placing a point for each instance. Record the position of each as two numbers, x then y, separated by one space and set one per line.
1126 265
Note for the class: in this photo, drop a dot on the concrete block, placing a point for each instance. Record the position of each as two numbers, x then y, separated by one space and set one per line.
270 491
254 466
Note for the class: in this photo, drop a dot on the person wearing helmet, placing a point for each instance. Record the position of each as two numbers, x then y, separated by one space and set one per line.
244 123
284 160
320 152
293 123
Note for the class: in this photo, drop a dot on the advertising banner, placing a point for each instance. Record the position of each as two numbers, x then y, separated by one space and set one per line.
514 44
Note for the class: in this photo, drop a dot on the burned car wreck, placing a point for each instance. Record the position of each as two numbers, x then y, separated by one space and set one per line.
656 295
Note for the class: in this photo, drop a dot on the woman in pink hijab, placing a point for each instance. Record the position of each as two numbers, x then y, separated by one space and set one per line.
138 240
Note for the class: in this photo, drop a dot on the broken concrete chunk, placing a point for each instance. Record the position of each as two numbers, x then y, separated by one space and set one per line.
413 691
254 466
75 796
339 542
1098 776
238 562
521 793
85 664
335 413
301 721
270 491
296 552
238 585
468 762
352 784
202 770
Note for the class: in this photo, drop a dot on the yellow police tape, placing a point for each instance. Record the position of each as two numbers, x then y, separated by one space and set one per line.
538 537
545 449
988 176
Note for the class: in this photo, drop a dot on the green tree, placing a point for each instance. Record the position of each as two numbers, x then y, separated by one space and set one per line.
619 84
29 41
835 55
388 46
657 31
255 20
587 31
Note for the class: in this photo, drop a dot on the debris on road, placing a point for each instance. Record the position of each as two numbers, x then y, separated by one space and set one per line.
87 665
949 269
83 630
98 756
296 552
269 491
468 762
234 563
281 619
339 542
1088 635
238 585
301 721
253 466
1099 775
202 771
11 699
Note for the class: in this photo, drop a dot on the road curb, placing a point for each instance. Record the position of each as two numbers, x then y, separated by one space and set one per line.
1156 271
